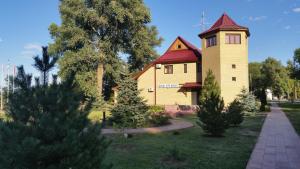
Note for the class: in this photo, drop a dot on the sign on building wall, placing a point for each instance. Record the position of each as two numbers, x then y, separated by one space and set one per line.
168 86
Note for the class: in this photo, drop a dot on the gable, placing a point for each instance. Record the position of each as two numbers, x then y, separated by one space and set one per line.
177 45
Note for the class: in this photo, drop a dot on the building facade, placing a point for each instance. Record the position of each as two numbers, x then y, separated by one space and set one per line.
177 76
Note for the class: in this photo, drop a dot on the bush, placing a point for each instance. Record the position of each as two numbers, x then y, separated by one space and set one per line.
130 110
211 116
157 116
50 129
248 102
235 114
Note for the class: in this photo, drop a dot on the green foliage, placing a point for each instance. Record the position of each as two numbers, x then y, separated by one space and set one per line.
44 65
94 33
210 87
50 129
248 102
130 110
174 154
235 115
211 116
158 116
97 116
270 74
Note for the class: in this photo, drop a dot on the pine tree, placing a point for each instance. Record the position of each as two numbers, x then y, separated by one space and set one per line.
210 87
248 102
130 110
235 115
211 116
93 33
44 64
50 129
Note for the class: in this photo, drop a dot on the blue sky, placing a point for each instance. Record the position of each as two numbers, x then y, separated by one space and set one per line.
274 25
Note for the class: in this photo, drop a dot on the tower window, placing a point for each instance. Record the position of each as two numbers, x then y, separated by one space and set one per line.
185 68
233 66
211 41
233 39
179 46
168 69
234 79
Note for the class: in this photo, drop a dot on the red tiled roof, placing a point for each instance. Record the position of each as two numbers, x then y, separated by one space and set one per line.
224 23
177 56
192 85
192 54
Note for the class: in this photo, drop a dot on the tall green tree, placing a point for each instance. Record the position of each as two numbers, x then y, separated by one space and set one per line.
44 64
93 33
212 119
210 87
131 109
49 129
270 74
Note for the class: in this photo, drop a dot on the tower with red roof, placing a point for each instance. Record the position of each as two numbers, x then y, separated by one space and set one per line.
225 52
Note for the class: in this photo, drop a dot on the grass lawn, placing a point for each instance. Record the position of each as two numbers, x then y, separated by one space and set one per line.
293 113
149 151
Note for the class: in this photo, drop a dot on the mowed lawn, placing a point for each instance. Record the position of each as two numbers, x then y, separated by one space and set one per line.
293 113
150 151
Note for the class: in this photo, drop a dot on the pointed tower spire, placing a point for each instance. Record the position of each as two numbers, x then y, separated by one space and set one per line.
224 23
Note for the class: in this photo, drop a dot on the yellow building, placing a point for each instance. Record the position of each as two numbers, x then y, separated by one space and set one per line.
176 76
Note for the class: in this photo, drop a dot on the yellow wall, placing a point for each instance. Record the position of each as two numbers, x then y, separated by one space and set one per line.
169 96
146 81
220 59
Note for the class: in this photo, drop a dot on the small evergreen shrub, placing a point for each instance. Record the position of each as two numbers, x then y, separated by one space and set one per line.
212 119
157 116
130 110
211 116
248 102
235 115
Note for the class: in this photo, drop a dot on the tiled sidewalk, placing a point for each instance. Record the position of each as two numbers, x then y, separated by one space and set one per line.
278 146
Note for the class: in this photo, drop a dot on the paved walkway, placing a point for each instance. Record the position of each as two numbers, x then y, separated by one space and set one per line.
175 125
278 146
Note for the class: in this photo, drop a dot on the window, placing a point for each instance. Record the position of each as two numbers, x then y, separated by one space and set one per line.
233 39
211 41
234 79
185 68
168 69
233 66
179 46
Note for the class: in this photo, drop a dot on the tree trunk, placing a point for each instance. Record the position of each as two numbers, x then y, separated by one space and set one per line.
100 73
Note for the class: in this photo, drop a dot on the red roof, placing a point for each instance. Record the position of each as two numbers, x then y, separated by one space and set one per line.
192 54
178 56
192 85
224 23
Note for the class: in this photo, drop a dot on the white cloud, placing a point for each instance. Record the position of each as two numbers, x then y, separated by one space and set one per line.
296 10
31 49
257 18
287 27
32 46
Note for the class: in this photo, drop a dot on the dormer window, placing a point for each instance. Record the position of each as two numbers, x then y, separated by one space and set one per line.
211 41
179 46
233 39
